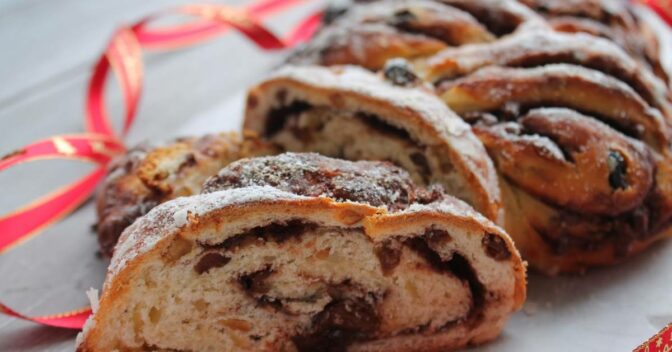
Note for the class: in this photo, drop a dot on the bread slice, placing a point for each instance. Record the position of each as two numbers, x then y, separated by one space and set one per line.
348 112
147 176
305 253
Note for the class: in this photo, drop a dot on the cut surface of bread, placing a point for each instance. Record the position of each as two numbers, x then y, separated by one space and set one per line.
304 253
350 113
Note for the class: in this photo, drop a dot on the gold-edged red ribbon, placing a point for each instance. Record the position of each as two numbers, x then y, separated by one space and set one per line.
124 52
123 55
24 223
661 342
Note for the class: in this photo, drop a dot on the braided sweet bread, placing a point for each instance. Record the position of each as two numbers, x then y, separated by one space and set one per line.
301 252
147 176
509 72
576 121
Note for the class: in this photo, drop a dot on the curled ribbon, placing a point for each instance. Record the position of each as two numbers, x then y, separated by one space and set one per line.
123 56
101 143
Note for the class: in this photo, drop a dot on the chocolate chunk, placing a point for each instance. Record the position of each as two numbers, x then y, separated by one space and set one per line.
280 232
389 255
495 247
617 170
211 260
377 123
399 72
277 117
436 237
420 160
338 325
402 17
255 282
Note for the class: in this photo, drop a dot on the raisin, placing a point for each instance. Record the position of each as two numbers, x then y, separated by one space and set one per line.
495 247
211 260
399 72
617 170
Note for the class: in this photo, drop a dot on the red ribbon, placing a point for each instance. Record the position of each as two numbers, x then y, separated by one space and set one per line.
123 55
661 342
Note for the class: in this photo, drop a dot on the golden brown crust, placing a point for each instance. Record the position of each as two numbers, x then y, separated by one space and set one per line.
146 177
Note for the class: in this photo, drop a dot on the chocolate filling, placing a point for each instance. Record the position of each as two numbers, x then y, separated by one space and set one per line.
338 325
210 260
389 255
416 161
254 282
420 160
457 265
406 21
352 315
495 247
499 23
277 117
277 232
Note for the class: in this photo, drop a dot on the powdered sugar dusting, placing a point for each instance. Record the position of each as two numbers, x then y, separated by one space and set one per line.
451 206
162 220
358 80
584 49
371 182
92 295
